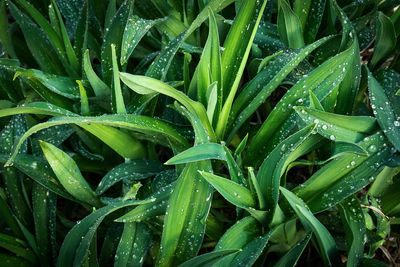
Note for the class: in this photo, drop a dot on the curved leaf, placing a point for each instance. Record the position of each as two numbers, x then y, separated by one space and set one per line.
69 174
75 246
325 241
97 126
236 194
338 127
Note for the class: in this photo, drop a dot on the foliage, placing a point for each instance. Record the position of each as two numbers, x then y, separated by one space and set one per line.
199 132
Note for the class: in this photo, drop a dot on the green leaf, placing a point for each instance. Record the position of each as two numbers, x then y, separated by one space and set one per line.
69 51
37 42
236 194
159 68
135 29
41 203
189 204
208 259
237 45
274 166
349 86
292 256
321 81
383 110
69 174
18 247
244 235
314 102
133 246
147 211
346 175
252 251
11 177
13 261
311 17
118 100
338 127
114 34
210 151
37 169
257 189
99 87
40 108
354 222
116 139
326 243
184 223
84 100
385 41
209 69
147 85
129 171
75 246
212 92
64 86
8 216
289 26
252 97
5 36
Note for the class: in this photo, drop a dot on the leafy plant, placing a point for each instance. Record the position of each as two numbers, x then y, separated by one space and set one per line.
199 133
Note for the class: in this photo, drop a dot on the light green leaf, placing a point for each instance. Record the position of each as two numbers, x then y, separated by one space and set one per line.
184 223
116 139
84 100
99 87
117 99
338 127
41 108
289 26
212 100
146 85
210 151
274 166
64 86
69 174
209 69
236 194
237 45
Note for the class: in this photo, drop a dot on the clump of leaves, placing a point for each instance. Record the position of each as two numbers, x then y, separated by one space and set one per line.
199 133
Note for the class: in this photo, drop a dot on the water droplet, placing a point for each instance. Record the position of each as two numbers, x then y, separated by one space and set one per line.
372 148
